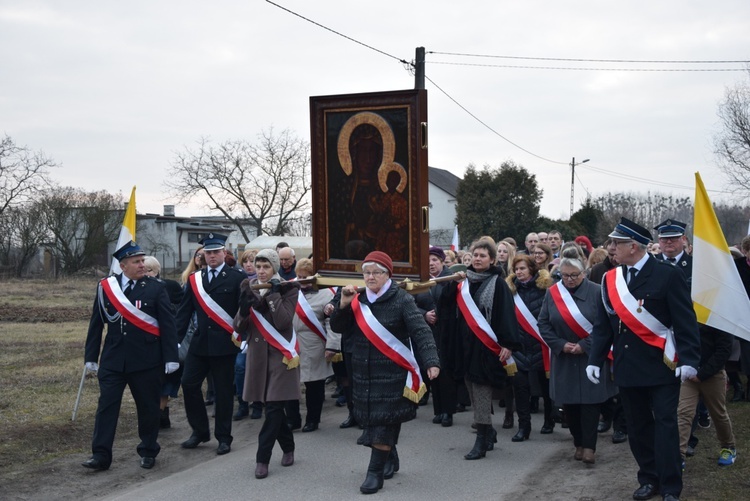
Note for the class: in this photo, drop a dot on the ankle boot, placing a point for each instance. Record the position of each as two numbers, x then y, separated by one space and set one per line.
523 434
374 479
392 464
243 409
508 421
480 444
164 421
491 438
548 427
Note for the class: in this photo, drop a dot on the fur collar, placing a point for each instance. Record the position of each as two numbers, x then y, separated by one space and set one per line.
543 281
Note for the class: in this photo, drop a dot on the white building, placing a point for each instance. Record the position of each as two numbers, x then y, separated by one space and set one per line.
442 186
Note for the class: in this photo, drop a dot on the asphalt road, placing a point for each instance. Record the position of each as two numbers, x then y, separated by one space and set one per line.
329 465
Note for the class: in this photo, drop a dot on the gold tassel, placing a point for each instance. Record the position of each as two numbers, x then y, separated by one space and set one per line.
672 365
415 396
236 339
338 357
291 364
546 373
511 369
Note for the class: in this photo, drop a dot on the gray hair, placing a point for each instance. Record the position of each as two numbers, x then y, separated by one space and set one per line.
572 262
373 263
153 263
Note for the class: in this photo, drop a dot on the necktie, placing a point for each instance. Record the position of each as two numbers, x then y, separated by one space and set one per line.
671 259
128 288
633 272
211 275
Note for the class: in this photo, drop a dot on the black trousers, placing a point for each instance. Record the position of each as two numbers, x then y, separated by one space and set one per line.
651 413
274 428
612 410
444 393
315 394
222 370
522 391
583 419
146 389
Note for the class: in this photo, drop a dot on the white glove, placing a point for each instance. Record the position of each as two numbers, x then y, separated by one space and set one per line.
592 372
685 372
243 347
170 367
92 366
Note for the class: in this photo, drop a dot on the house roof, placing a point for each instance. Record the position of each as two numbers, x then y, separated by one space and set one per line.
446 181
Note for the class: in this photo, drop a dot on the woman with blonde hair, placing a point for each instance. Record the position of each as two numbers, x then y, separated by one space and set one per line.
196 263
505 254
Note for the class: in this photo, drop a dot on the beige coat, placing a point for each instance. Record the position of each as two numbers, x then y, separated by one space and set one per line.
267 378
313 365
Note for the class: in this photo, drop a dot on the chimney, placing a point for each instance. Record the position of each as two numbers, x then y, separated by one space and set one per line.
169 210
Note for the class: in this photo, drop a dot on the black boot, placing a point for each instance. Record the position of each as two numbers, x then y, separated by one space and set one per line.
164 421
243 409
491 438
374 480
480 444
548 427
523 434
392 464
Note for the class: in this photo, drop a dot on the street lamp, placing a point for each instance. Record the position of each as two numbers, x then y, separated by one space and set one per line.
573 181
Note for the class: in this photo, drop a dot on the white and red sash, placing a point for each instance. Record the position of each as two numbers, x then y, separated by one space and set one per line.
529 325
571 314
289 349
211 308
637 318
479 325
390 346
122 304
306 314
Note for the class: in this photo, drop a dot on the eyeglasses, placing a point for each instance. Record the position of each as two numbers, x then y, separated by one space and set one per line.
572 276
540 253
375 273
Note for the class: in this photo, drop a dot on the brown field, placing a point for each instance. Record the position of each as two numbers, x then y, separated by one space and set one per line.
42 332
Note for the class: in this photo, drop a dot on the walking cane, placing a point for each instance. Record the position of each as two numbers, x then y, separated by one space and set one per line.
80 390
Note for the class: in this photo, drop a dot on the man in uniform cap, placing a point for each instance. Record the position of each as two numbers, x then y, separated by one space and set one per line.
213 295
672 244
647 317
141 345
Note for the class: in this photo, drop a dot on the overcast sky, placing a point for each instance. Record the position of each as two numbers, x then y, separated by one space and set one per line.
111 90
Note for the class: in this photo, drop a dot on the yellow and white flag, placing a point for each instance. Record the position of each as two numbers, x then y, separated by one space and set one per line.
127 232
719 298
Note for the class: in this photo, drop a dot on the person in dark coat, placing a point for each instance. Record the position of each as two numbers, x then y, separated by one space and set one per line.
485 318
384 325
530 284
565 322
140 347
213 348
272 366
648 298
444 386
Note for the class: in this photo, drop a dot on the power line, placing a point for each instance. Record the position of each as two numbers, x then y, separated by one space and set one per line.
490 128
339 34
654 70
642 179
638 61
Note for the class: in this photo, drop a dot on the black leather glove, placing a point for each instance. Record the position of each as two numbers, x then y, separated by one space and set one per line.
247 299
275 284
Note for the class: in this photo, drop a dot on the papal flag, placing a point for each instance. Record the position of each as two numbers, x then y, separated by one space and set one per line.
454 242
719 298
127 232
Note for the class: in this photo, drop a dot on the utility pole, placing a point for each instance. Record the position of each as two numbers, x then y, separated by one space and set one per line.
573 181
419 68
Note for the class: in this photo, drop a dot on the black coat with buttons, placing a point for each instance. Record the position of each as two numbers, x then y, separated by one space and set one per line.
210 339
666 295
128 348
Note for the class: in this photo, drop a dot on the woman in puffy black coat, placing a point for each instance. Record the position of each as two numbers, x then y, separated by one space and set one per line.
382 400
529 284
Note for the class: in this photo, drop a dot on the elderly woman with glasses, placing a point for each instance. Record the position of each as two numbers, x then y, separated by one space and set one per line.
384 326
565 323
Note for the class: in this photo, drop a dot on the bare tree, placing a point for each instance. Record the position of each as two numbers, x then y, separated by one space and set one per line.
267 183
21 236
732 144
80 225
22 173
648 209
